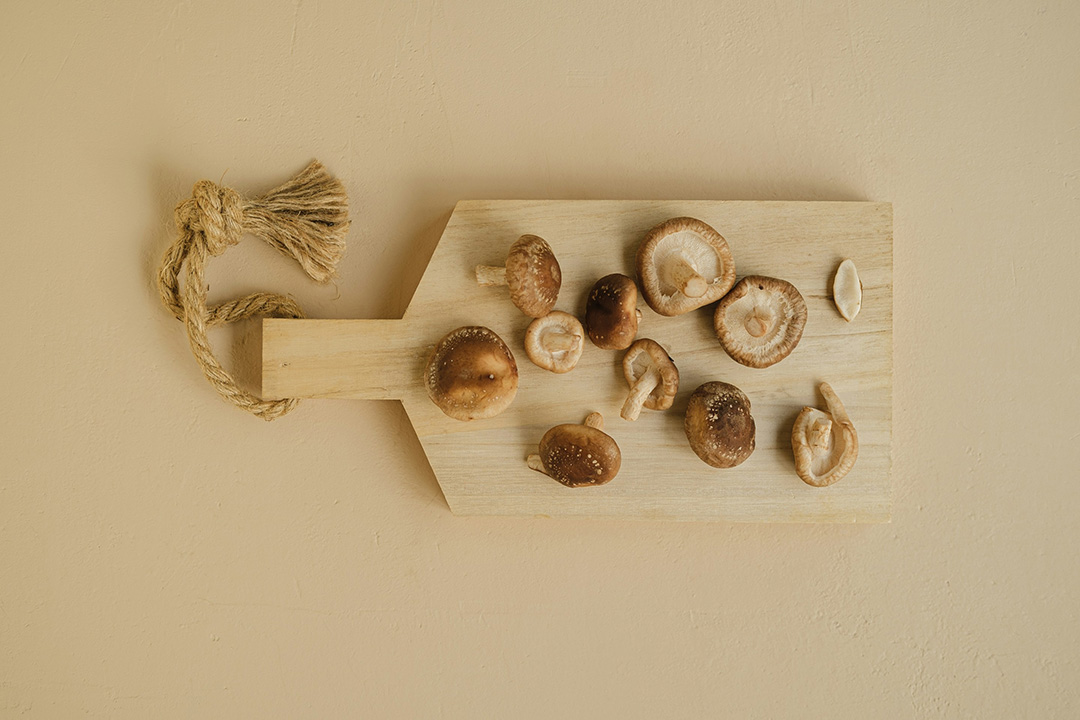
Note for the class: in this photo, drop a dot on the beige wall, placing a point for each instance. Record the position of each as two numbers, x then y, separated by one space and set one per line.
164 555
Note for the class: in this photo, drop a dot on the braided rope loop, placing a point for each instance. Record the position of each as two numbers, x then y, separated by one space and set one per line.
305 219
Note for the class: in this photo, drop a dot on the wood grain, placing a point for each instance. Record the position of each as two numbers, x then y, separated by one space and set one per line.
481 464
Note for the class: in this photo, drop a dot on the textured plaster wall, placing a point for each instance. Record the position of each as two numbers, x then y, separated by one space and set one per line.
164 555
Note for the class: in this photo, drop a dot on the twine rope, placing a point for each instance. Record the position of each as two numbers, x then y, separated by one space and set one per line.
305 219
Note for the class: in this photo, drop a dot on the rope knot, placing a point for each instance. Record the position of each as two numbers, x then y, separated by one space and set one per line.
214 213
306 218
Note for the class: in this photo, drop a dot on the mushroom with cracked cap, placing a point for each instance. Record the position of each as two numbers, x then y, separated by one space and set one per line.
684 264
531 271
652 377
555 341
611 314
760 321
471 374
719 425
824 442
578 455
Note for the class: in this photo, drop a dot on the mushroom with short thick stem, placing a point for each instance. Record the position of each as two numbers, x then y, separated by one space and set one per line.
578 455
471 374
847 290
760 321
825 443
719 425
684 264
531 271
652 377
555 341
611 314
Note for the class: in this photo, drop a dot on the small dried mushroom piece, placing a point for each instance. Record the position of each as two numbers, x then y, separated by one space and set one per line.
611 314
578 455
719 425
652 377
555 341
760 321
684 264
847 290
531 271
471 374
824 442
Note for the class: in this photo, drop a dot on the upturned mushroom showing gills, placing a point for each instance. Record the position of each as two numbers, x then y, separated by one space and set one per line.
824 442
555 341
531 271
611 314
471 374
652 377
684 264
719 425
760 321
578 455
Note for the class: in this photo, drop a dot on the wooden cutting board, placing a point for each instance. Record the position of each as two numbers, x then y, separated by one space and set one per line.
481 464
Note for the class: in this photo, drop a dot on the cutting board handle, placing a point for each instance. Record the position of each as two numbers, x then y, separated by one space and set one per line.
360 359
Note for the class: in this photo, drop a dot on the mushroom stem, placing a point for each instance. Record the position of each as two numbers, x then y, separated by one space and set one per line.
491 275
832 401
595 420
559 341
535 463
820 434
639 393
682 275
759 322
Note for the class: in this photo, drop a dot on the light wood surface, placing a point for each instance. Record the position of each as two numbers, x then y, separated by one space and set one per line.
481 464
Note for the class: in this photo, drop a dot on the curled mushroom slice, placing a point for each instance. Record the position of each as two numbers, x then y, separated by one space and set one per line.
611 314
471 374
719 426
555 341
578 455
824 442
684 264
760 321
652 377
847 290
531 271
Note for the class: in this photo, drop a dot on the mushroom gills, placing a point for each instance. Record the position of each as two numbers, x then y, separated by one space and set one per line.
847 290
826 441
559 341
686 264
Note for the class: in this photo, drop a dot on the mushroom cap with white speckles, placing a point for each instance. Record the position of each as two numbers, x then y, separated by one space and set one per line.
719 425
611 312
578 455
471 374
533 275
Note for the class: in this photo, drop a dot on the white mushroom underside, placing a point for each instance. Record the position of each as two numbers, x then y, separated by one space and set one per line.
692 248
824 459
774 311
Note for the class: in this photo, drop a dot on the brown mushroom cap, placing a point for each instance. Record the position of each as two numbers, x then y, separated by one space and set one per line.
825 444
760 321
719 425
534 276
652 377
579 455
684 264
611 314
471 374
555 341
